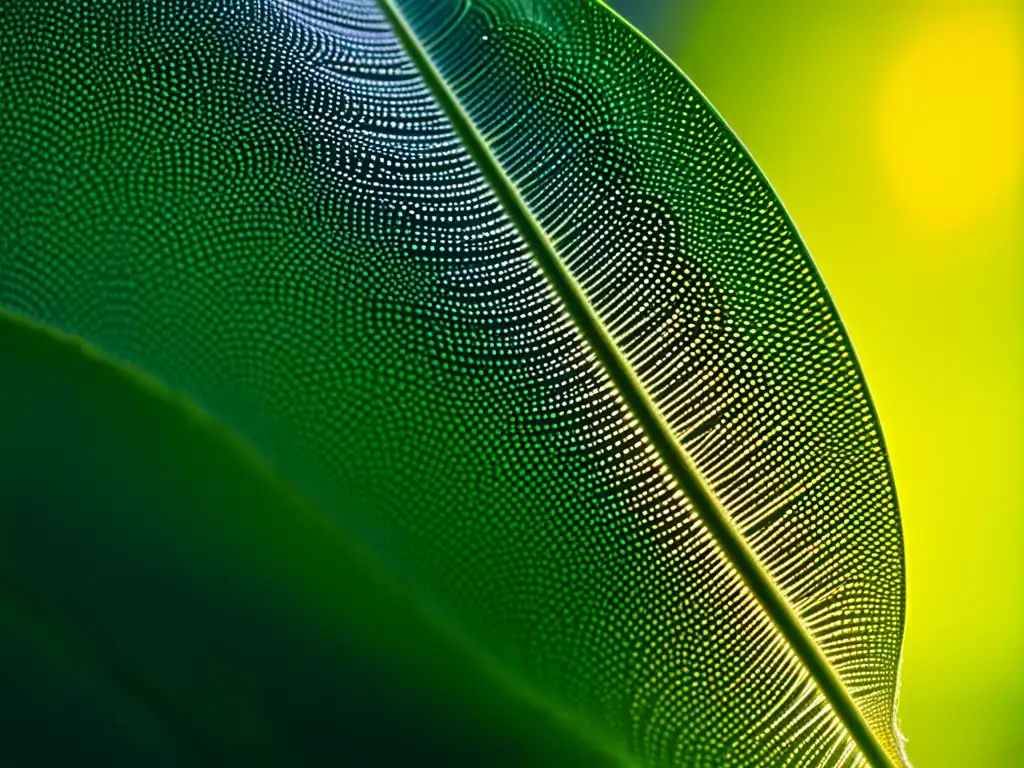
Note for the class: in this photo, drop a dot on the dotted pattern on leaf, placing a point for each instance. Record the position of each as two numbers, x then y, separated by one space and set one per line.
260 203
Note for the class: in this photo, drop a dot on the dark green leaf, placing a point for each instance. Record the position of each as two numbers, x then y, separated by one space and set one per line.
167 600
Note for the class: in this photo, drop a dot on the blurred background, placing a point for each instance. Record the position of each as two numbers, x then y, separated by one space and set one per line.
892 132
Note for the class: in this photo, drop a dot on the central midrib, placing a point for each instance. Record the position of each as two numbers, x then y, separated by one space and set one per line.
646 412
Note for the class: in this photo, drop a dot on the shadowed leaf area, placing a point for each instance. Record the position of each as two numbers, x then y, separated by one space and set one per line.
167 600
533 435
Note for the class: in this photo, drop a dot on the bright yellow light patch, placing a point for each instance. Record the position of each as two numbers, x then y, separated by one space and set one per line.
948 118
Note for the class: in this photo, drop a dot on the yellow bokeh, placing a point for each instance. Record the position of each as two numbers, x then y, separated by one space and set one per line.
947 117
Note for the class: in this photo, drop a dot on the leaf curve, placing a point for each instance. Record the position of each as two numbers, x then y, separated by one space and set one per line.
215 617
294 235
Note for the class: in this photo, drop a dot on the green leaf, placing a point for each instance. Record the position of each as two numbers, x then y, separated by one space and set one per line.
165 599
497 290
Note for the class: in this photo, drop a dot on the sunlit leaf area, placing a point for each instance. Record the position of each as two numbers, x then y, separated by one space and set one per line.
892 131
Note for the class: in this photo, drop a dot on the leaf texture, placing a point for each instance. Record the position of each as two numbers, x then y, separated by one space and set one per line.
273 207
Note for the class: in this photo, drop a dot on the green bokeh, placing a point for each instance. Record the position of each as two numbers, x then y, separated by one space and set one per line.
924 263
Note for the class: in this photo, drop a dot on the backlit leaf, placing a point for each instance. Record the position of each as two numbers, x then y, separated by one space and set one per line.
496 289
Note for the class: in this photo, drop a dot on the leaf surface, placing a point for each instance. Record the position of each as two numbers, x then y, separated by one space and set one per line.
497 271
166 600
